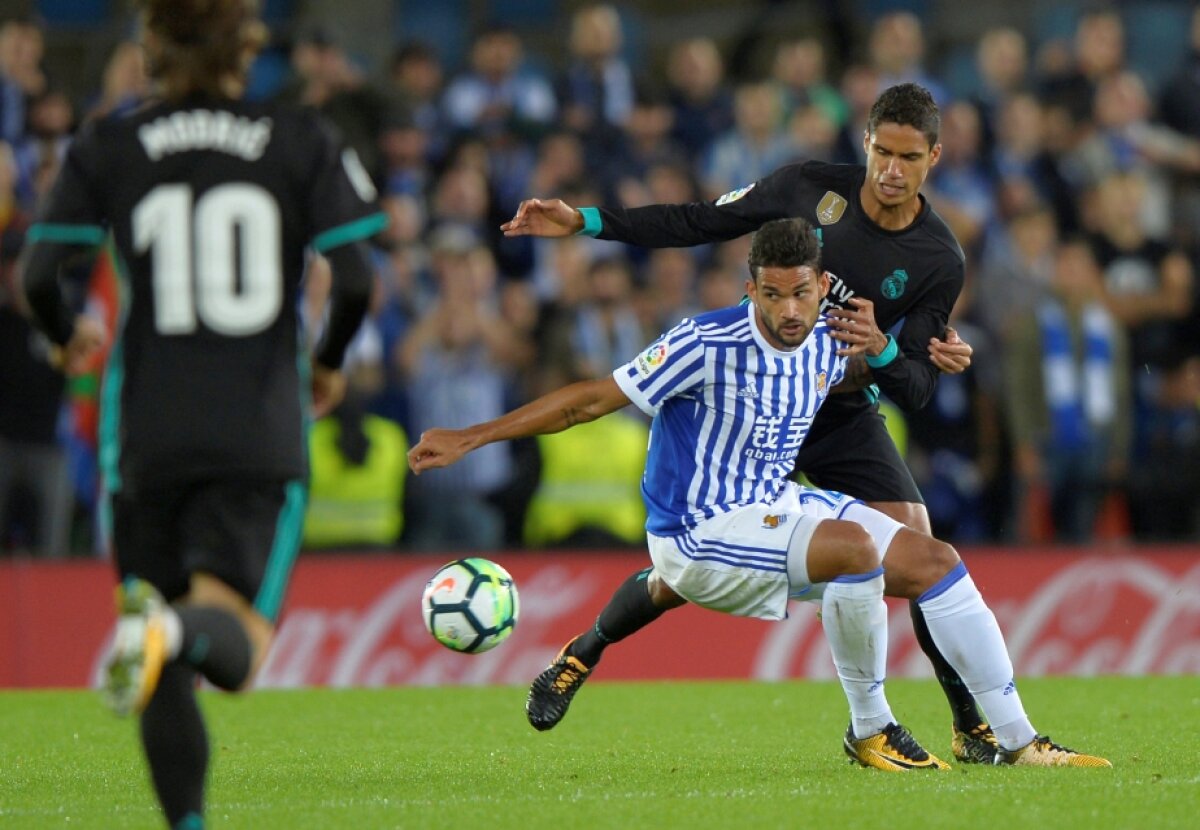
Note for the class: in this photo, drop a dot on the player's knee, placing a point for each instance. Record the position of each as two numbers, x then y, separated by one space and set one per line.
856 551
938 558
860 555
260 636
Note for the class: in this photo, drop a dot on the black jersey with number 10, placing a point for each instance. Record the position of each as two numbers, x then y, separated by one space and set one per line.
210 208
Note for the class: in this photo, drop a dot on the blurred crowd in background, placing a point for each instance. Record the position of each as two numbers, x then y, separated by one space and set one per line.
1069 173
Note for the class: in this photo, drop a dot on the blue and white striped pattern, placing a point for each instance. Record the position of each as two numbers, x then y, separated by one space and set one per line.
741 556
730 412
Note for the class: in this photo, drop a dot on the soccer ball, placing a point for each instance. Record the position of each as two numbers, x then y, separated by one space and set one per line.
470 605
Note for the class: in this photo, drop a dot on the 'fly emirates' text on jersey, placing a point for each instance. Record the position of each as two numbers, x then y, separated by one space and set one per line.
730 413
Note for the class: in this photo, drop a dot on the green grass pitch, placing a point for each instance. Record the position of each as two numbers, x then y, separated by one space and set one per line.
630 755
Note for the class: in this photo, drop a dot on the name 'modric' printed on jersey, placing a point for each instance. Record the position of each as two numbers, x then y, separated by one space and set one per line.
202 129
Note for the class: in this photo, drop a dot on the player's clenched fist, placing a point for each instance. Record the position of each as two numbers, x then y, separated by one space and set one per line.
544 217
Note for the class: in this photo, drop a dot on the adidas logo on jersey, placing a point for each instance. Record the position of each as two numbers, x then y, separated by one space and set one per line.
750 390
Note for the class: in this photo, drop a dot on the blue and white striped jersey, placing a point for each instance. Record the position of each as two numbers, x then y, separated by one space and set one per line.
730 412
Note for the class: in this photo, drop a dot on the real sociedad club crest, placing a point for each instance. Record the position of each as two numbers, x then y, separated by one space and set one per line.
893 284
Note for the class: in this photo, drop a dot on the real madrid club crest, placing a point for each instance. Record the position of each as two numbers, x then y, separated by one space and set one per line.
894 283
830 208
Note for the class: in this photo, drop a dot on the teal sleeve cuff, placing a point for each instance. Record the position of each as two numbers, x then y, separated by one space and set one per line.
886 356
592 223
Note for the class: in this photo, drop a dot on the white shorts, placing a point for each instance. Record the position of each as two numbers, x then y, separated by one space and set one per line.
750 561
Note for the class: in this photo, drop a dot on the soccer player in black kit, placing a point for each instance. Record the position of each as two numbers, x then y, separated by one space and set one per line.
211 205
890 258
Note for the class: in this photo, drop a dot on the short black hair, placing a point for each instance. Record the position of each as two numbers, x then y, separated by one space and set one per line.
910 105
784 243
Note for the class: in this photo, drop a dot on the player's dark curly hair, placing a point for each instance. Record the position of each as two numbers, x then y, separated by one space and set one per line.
784 243
909 105
200 45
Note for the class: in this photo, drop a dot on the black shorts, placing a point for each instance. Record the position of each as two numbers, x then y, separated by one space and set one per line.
244 533
856 456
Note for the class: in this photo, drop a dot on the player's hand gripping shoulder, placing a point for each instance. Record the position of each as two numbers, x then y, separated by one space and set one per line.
438 448
856 328
952 355
544 217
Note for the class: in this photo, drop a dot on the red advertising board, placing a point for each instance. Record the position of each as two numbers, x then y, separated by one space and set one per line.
355 621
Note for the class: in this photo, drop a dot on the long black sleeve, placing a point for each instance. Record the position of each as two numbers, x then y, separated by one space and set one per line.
909 380
735 214
40 267
349 299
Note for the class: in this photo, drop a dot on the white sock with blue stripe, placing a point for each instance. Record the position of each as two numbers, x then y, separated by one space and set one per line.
967 635
855 620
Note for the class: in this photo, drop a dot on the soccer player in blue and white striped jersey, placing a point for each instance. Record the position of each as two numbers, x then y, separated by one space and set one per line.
732 394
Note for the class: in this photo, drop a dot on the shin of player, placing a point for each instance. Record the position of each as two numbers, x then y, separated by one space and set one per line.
930 573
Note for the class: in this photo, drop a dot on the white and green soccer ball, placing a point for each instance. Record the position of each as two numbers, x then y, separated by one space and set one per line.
470 605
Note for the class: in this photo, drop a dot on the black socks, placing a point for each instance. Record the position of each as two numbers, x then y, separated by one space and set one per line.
215 644
629 610
962 703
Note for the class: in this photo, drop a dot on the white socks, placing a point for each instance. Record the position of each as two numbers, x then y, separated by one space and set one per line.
855 620
966 632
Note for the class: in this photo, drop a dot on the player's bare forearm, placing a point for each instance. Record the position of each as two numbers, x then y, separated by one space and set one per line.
562 409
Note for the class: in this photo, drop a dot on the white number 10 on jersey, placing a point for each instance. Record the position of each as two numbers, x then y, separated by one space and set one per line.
199 247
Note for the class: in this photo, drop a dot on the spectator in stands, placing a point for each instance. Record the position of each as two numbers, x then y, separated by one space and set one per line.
404 154
589 491
35 484
1149 283
860 87
461 198
1016 155
671 277
757 144
39 155
1015 275
716 287
498 94
1002 60
561 163
959 187
124 84
21 74
646 144
798 74
417 82
1096 52
1179 109
1068 399
702 103
327 79
1164 486
955 446
596 91
358 469
896 46
1125 140
607 322
458 360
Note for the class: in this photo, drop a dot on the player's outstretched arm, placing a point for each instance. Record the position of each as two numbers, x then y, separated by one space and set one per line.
544 217
564 408
952 355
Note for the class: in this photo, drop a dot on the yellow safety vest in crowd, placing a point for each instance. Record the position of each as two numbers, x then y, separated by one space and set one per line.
351 505
591 477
